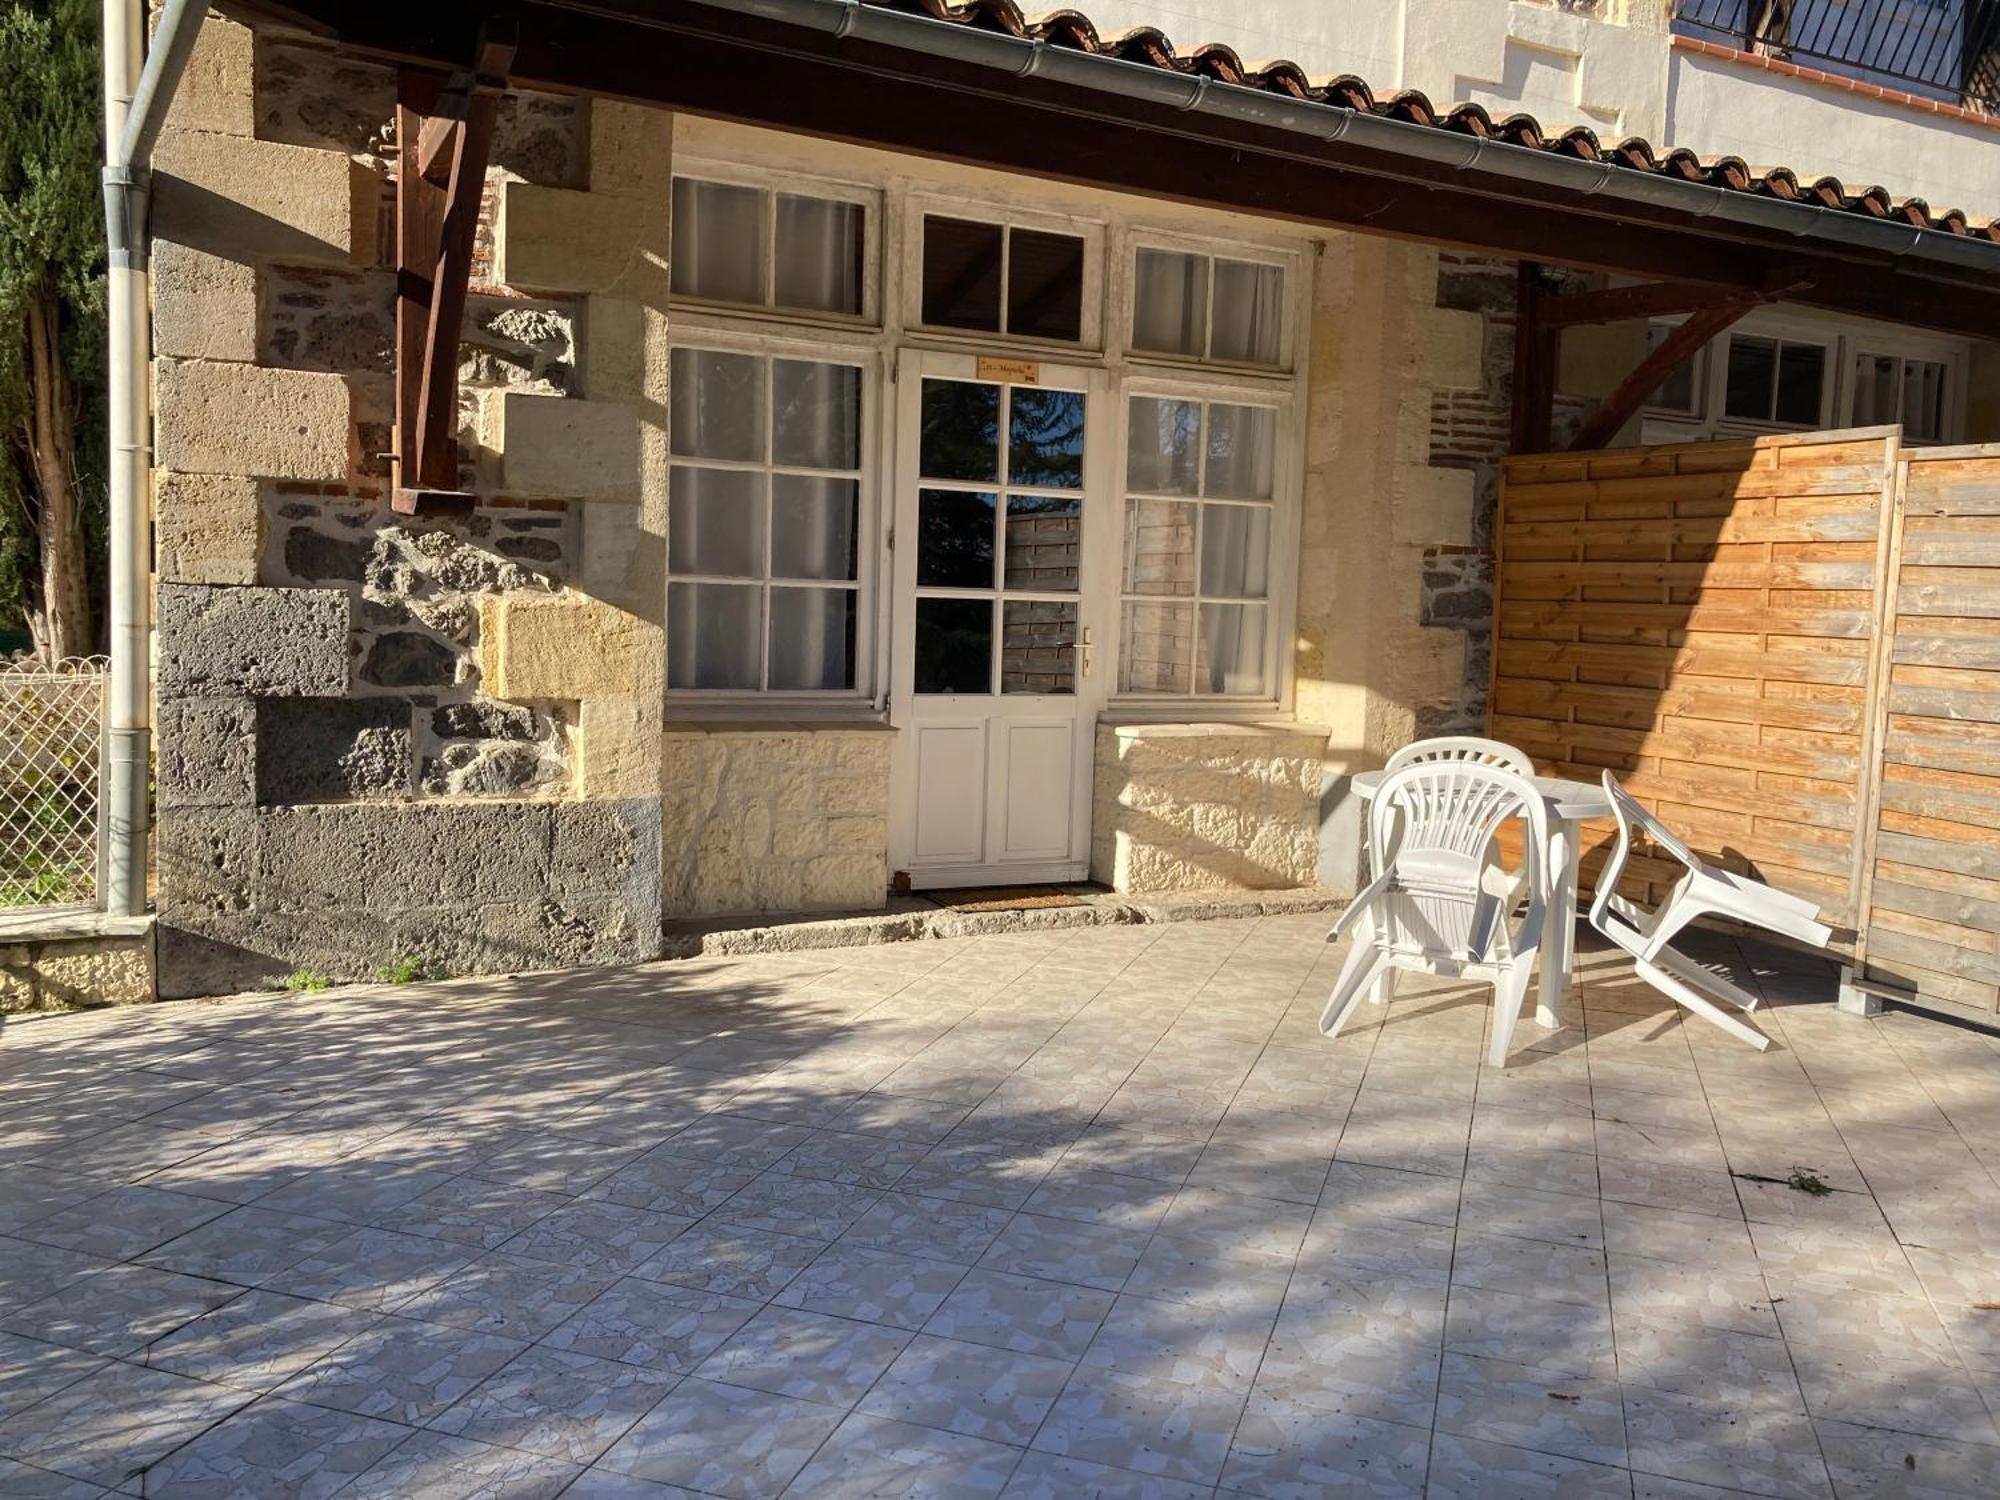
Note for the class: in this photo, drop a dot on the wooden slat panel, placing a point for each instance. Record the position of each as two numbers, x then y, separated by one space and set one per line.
1701 621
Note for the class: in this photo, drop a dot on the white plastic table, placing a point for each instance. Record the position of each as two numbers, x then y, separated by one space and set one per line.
1570 803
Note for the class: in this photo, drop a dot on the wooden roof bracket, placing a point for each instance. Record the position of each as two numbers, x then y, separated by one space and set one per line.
1540 319
444 140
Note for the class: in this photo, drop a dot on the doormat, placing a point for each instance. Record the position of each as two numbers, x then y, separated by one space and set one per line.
1006 897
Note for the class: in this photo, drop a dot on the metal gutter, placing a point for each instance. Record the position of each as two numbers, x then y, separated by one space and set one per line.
1025 57
135 107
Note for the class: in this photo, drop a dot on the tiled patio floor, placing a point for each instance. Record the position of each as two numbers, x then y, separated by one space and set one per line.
1090 1213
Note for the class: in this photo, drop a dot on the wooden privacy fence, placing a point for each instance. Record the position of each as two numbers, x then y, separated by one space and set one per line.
1788 648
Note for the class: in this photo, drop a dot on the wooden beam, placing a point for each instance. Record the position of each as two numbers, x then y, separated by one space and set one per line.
444 141
1623 404
1653 299
1536 351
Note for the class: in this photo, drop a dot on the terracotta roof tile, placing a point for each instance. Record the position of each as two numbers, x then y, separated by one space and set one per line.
1152 47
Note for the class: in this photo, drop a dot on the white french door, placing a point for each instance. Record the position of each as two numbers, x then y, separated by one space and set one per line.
1003 587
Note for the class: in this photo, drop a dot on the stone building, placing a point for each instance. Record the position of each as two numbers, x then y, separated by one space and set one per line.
833 514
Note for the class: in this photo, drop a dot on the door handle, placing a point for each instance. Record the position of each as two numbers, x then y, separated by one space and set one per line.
1082 646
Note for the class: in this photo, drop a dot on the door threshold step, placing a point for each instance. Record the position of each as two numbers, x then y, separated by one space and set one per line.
907 919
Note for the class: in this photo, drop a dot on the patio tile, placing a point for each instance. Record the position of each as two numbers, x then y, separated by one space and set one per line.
814 1356
20 1482
1696 1360
401 1370
372 1269
1292 1452
1835 1260
561 1405
970 1389
1537 1168
1464 1468
871 1458
1765 1450
1044 1476
552 1161
1093 1255
437 1466
1554 1218
672 1184
798 1206
30 1272
1658 1185
1249 1286
663 1327
734 1259
959 1232
1021 1314
1498 1401
1561 1336
470 1211
30 1192
1556 1273
1908 1395
1699 1296
604 1237
737 1141
123 1223
279 1449
1157 1427
1869 1461
108 1427
878 1286
31 1369
118 1310
1393 1248
245 1245
1354 1364
1093 1195
258 1341
723 1438
1856 1323
1179 1342
1691 1239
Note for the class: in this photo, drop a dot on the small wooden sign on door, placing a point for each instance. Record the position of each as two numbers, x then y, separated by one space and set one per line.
1009 371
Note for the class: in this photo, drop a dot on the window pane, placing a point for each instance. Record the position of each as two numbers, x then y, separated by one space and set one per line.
1752 378
1249 312
954 646
1874 389
961 274
817 421
1232 649
1045 438
1155 648
1678 391
813 530
812 639
715 636
1235 550
717 405
1159 547
1169 302
1045 285
717 249
961 437
1242 449
715 522
1161 438
1801 377
955 539
1037 647
1044 541
818 254
1923 400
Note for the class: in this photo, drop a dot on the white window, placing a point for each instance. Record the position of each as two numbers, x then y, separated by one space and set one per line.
1021 280
1208 307
1200 517
1775 382
1681 392
752 245
1894 388
764 529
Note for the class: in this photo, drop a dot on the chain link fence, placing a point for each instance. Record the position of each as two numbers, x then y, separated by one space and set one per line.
51 741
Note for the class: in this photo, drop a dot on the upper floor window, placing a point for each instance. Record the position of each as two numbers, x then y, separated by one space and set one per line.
985 277
1681 392
1940 49
1778 381
1208 306
765 247
1889 388
764 522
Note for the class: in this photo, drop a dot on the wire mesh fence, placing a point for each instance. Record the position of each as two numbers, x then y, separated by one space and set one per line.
51 739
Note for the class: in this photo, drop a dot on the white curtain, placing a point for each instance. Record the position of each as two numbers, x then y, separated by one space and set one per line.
817 254
718 241
1249 312
1169 301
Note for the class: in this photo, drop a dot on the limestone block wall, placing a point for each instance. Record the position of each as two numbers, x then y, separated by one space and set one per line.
774 818
1198 806
352 764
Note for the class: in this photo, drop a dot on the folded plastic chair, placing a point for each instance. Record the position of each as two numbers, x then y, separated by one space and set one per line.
1442 902
1462 747
1704 890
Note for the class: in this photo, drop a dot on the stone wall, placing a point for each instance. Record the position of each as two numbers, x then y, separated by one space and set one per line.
61 971
1206 806
776 818
353 765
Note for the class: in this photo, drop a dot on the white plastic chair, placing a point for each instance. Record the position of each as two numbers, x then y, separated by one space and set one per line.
1704 890
1442 902
1462 747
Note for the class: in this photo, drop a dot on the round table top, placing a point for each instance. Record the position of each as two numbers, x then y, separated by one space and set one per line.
1566 798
